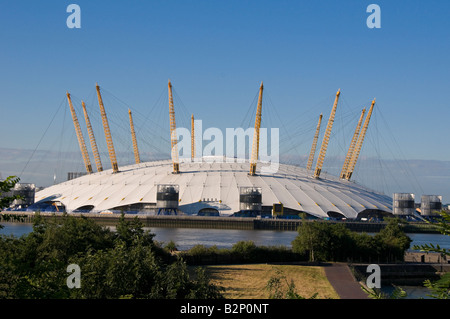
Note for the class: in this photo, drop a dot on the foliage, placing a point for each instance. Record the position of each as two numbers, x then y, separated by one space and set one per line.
202 250
131 230
247 251
441 288
374 293
316 241
6 186
279 287
391 241
125 263
117 272
240 252
176 283
171 246
444 228
323 241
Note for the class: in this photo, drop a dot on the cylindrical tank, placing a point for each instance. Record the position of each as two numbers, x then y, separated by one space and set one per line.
250 199
403 204
430 205
167 196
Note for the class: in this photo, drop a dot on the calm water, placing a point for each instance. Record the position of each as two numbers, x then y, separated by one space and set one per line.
186 238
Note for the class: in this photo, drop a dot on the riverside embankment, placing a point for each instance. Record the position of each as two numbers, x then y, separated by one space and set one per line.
243 223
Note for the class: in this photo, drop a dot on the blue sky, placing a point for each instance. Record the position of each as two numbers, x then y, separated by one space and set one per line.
216 53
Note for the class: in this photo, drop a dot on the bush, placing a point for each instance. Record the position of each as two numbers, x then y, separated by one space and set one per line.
240 252
246 251
171 246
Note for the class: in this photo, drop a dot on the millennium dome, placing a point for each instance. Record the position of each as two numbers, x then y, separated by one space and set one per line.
216 185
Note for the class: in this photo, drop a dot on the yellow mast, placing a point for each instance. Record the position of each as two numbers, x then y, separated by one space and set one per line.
83 149
326 138
109 142
351 148
173 133
137 159
255 146
192 138
98 161
359 143
314 145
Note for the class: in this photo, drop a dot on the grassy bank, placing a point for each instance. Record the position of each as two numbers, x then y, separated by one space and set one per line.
249 281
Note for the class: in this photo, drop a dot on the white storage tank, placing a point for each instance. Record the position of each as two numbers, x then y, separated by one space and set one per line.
403 204
430 205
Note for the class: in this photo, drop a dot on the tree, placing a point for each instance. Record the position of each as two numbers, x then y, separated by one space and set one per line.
392 241
35 265
114 264
6 186
129 230
308 240
118 272
324 241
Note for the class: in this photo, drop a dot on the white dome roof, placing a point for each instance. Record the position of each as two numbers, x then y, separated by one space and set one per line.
214 183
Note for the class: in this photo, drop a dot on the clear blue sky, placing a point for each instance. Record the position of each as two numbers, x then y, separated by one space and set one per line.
217 52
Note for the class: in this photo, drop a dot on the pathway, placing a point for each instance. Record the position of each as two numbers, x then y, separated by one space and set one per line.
343 281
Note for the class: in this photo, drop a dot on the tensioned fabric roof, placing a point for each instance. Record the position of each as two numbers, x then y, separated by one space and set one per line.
214 183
